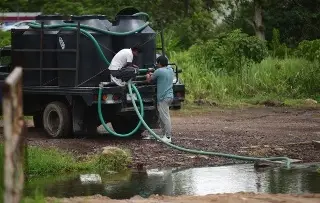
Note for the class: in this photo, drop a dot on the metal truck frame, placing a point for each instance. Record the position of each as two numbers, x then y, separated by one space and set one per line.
65 111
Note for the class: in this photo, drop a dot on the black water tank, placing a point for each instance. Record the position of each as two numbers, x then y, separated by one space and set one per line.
90 63
105 21
145 38
31 39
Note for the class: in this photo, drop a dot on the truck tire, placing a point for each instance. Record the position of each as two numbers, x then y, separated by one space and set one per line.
124 125
38 120
56 120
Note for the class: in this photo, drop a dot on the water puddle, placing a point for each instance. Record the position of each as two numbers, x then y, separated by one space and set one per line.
194 181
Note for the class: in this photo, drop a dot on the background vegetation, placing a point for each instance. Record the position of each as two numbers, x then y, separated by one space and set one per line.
229 50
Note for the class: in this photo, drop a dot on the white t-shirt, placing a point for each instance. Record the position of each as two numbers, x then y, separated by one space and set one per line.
123 57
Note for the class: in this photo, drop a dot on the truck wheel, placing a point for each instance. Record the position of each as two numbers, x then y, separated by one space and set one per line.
125 125
37 120
56 120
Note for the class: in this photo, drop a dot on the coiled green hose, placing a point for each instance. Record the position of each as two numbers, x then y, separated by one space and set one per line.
140 114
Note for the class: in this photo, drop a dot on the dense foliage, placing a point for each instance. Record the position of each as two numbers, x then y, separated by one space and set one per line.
228 50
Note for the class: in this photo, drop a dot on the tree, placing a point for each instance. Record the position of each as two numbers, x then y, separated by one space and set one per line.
296 20
247 12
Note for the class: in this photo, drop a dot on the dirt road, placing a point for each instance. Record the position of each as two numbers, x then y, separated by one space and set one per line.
277 131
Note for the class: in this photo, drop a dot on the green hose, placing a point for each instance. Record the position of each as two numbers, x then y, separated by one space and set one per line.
130 85
70 26
104 123
142 14
141 114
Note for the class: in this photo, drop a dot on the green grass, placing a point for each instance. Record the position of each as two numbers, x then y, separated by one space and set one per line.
273 79
52 161
36 198
42 162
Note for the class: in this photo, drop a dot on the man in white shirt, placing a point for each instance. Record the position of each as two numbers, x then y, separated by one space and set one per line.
121 67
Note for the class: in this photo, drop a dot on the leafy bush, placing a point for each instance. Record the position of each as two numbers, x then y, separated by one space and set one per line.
309 50
278 49
229 51
171 41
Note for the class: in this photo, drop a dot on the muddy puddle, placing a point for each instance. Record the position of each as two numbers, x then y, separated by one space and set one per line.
194 181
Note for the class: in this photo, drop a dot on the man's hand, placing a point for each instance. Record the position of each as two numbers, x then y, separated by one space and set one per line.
148 77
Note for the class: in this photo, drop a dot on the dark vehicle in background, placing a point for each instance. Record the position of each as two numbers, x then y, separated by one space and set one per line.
62 71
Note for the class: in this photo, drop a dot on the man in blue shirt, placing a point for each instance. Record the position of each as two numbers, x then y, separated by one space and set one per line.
163 76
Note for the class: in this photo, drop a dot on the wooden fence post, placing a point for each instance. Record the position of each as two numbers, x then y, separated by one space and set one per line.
14 145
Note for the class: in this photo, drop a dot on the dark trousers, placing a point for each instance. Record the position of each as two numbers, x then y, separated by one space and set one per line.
125 73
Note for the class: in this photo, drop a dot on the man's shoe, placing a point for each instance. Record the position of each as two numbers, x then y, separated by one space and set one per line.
166 139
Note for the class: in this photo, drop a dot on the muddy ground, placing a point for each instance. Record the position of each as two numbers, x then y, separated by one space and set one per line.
263 131
259 131
220 198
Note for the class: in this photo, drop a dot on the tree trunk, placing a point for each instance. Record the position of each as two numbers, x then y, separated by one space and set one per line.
258 21
186 8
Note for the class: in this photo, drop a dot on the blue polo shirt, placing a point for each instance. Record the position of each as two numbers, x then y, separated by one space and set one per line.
164 78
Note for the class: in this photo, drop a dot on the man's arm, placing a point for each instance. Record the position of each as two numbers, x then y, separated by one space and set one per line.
130 60
152 77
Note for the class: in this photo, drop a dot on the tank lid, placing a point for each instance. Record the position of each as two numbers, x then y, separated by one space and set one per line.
49 17
128 11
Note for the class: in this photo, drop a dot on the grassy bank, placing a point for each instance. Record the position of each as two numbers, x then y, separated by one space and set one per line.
42 162
53 161
50 161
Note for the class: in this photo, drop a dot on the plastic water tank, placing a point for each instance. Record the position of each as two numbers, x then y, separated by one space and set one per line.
105 21
90 63
31 39
124 22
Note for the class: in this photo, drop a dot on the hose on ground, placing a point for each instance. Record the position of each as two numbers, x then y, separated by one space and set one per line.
194 151
141 113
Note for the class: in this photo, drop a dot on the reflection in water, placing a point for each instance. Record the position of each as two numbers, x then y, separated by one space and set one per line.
195 181
229 179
